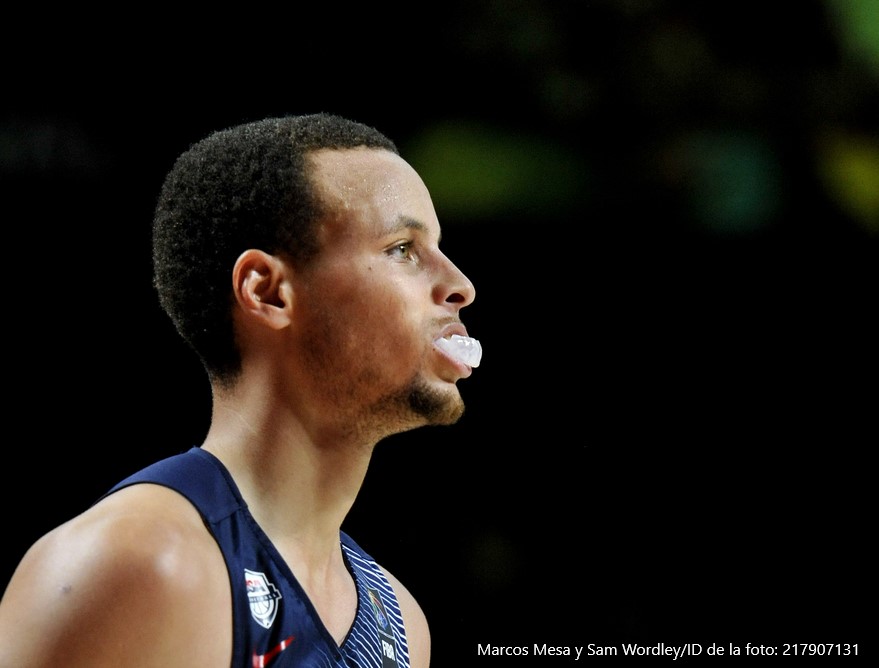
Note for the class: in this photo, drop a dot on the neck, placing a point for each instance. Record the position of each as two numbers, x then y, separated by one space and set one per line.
298 479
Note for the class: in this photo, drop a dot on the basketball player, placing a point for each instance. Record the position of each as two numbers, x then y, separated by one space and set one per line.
299 257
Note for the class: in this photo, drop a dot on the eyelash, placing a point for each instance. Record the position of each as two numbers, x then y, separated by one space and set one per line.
403 247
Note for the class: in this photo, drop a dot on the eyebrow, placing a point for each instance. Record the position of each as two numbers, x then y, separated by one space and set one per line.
407 223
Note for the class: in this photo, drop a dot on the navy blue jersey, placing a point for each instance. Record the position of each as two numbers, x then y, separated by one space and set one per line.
274 623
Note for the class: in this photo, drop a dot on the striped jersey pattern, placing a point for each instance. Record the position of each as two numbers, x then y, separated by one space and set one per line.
275 625
360 647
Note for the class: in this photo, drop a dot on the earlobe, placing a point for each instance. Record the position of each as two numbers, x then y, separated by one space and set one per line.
259 284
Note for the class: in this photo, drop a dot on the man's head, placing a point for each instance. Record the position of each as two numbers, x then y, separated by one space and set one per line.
244 187
304 252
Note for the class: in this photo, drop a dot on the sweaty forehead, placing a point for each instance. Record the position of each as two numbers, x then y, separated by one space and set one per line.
366 179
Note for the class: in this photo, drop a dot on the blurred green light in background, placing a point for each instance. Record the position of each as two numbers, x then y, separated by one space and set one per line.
479 172
731 181
849 166
857 22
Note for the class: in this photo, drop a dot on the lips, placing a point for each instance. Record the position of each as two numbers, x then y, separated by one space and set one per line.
464 349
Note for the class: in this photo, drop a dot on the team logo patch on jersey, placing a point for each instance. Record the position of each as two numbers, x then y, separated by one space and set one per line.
378 609
263 597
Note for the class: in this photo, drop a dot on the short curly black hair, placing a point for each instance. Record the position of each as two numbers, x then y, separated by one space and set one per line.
243 187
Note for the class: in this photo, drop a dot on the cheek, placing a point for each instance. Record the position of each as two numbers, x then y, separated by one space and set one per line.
367 322
390 335
384 343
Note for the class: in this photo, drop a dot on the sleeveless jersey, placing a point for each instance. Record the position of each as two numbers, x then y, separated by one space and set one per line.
274 623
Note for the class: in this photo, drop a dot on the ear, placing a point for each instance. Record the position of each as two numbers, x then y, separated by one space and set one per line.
261 286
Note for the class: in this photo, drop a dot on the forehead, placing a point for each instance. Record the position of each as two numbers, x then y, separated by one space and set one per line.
373 185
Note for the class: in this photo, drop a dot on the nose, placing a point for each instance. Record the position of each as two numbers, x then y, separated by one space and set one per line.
454 287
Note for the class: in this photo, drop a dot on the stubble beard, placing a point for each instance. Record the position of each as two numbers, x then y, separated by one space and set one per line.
434 406
409 406
413 404
417 405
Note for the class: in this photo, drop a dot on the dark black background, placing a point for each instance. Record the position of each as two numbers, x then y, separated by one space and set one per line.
668 437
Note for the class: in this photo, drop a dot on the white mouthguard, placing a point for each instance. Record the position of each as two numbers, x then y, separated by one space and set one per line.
462 348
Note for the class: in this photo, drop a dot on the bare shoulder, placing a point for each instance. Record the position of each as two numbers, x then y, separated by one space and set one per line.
417 628
136 580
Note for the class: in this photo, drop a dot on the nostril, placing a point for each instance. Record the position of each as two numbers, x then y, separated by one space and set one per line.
456 298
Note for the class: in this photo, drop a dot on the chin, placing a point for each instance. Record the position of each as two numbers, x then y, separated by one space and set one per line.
436 407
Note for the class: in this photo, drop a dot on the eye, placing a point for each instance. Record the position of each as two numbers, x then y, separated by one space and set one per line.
402 250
